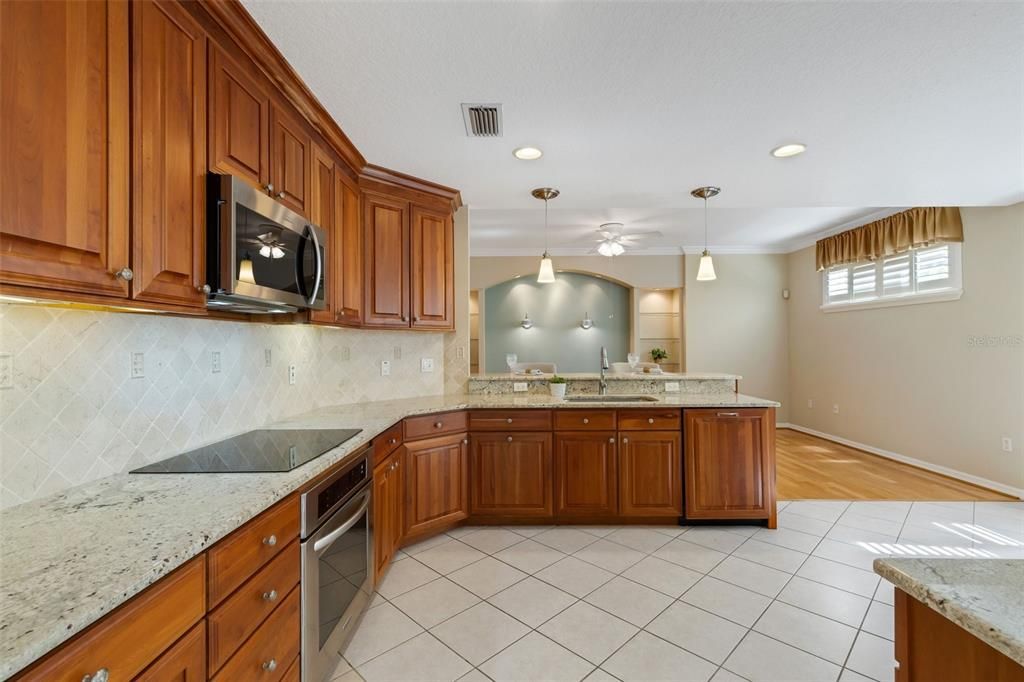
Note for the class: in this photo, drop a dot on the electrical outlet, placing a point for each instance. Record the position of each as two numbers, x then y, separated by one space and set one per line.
398 353
810 403
268 357
520 387
138 365
385 368
460 352
1007 444
835 409
426 364
6 370
215 363
671 387
291 375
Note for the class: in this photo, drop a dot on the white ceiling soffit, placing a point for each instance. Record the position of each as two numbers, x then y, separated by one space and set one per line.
634 104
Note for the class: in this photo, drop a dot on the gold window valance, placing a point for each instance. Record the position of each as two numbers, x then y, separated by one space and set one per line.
899 232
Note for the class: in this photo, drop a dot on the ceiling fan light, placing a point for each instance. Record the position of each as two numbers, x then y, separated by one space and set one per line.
265 251
617 249
605 249
277 252
706 271
546 274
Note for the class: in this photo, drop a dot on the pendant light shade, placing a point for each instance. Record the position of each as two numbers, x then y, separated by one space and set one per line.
245 270
706 270
546 274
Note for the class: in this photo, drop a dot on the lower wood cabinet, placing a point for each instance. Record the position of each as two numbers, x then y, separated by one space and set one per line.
585 477
650 473
183 662
730 463
435 484
267 654
510 474
388 505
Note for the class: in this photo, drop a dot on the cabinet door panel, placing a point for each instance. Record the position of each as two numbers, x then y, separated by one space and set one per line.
239 119
64 145
168 140
290 156
383 517
650 474
730 463
510 474
322 206
585 473
183 662
349 271
435 484
386 251
433 278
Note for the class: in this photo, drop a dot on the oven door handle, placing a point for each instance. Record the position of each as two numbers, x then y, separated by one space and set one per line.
323 543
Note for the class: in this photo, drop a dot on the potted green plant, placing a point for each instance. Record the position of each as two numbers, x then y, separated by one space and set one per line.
557 385
659 354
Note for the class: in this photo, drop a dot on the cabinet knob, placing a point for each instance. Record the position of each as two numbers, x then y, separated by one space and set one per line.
586 420
392 441
509 420
625 440
124 273
403 318
280 195
509 439
205 289
270 666
269 187
438 425
465 441
270 541
101 675
415 318
611 440
270 596
650 420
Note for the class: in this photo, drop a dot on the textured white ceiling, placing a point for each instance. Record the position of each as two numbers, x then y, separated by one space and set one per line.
634 104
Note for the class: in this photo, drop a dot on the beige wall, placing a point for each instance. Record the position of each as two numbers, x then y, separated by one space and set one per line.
911 379
737 324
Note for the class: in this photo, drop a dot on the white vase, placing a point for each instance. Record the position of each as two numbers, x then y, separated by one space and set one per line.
557 390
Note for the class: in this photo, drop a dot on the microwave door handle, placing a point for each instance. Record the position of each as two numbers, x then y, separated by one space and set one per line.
323 543
300 280
319 264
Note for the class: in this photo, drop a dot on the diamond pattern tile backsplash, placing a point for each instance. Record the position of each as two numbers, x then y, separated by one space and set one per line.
73 413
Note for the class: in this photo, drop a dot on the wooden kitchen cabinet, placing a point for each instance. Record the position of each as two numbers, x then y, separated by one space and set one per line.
290 160
650 473
729 462
435 484
64 146
168 154
239 122
183 662
510 474
322 207
432 252
348 251
386 261
388 506
585 477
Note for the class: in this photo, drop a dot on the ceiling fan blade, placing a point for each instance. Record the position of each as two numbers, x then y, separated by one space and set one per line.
652 233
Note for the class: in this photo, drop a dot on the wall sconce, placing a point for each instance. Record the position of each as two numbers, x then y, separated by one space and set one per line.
527 323
587 323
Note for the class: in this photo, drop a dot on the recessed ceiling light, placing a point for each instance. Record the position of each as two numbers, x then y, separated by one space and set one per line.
528 153
789 150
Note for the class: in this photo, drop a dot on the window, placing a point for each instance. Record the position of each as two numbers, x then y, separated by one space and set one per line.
922 275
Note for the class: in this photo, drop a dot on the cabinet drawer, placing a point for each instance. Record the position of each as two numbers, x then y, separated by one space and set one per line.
434 425
133 636
271 649
183 662
293 673
386 443
642 420
241 554
510 420
242 612
584 420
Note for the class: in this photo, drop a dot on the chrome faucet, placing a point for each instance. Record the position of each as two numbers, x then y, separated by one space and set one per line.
604 367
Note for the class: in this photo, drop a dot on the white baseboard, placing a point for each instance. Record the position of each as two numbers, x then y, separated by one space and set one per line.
912 461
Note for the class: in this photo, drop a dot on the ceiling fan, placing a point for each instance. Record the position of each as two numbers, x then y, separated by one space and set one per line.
612 241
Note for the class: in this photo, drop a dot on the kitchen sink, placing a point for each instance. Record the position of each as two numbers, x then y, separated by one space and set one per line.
611 399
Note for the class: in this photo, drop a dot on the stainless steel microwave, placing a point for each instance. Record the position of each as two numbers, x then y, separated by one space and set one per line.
262 257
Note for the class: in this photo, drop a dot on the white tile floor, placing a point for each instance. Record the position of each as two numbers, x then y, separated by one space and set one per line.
668 603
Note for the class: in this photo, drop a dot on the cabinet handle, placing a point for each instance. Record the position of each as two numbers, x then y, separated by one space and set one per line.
392 441
270 541
509 439
727 414
611 440
625 440
270 666
650 420
205 289
269 187
509 420
101 675
124 273
438 425
586 421
270 596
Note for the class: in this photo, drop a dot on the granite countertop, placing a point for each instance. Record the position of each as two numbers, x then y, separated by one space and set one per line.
69 559
983 596
593 376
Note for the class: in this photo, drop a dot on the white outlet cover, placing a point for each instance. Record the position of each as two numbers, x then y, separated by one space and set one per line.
1007 444
835 409
426 364
215 364
345 354
385 368
671 387
810 403
520 387
291 375
138 365
268 357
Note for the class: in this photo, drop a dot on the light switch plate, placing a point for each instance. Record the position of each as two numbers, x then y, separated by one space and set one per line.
385 368
268 357
426 364
215 363
138 366
520 387
671 387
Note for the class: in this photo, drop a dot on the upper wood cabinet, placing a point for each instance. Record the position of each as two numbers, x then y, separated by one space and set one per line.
64 146
730 463
239 121
290 156
510 474
585 473
386 261
348 259
435 484
650 472
432 281
168 154
322 208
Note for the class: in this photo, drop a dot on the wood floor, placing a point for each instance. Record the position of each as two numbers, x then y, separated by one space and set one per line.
813 468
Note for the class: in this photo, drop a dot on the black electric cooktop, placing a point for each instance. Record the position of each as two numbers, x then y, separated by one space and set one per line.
265 450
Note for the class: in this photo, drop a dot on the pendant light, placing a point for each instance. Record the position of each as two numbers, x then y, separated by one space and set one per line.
245 270
546 274
706 271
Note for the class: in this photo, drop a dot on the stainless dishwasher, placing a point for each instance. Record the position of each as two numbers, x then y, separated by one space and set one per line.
337 564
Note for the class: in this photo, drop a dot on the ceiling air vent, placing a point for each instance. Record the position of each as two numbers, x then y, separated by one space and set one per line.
482 120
